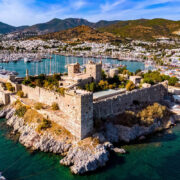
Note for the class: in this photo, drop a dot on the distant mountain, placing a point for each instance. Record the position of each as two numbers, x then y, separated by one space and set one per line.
103 23
80 34
57 25
5 28
143 29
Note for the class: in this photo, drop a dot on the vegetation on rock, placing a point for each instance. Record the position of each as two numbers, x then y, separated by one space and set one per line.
55 106
38 106
20 94
9 87
146 116
20 110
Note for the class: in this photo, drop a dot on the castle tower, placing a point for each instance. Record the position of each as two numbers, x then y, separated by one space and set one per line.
73 69
94 70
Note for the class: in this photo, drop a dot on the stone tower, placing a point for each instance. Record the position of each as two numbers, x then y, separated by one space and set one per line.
94 70
73 69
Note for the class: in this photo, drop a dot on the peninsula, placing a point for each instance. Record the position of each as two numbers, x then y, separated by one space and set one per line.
81 114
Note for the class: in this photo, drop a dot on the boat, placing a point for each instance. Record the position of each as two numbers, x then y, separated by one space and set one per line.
2 177
26 60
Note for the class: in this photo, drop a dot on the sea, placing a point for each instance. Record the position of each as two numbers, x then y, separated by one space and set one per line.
156 158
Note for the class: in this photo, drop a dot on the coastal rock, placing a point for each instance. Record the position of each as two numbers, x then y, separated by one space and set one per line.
116 133
31 139
4 111
83 160
141 138
119 150
111 132
100 137
80 159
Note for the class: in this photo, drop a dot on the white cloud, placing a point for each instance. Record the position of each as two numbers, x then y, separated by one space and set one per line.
110 6
26 12
78 4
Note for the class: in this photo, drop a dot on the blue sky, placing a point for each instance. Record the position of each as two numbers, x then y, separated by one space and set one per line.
28 12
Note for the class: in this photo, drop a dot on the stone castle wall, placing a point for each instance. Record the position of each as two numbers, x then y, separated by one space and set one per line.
74 114
79 112
115 105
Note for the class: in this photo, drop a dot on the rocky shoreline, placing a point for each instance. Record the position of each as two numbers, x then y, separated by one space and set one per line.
79 157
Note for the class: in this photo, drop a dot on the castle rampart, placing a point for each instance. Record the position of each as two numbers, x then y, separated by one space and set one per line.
115 105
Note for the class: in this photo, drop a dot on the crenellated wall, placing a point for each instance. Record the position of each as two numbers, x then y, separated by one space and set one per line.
115 105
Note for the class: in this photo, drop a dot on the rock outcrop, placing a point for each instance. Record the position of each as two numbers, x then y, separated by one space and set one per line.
80 159
85 160
117 133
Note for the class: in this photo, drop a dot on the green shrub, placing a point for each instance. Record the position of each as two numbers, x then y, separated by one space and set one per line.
26 82
156 111
61 90
21 110
9 87
103 85
130 86
103 75
55 106
153 77
20 94
38 106
172 81
45 124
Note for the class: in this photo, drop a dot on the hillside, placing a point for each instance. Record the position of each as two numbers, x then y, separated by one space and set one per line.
80 34
5 28
144 29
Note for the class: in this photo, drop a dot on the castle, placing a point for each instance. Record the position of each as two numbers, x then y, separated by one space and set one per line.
79 109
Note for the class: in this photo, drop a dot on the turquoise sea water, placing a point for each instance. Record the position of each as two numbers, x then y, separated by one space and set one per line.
58 65
156 159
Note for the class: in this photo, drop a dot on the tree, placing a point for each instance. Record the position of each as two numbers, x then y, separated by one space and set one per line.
92 87
103 85
172 81
138 71
103 75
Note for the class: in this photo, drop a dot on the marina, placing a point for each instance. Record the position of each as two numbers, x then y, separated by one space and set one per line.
58 64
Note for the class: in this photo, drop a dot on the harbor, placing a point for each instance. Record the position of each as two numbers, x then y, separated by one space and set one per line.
58 64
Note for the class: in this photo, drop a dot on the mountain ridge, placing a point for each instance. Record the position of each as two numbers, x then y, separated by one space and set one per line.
80 34
141 29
